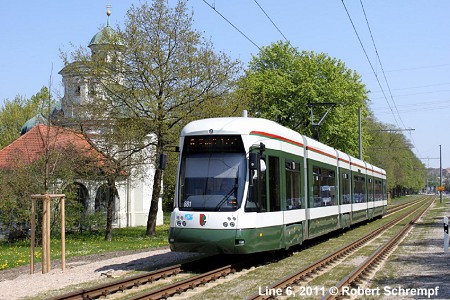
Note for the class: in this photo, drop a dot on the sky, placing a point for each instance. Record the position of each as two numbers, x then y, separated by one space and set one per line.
400 48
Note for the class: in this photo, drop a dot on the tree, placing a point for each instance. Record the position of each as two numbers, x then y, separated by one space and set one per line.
156 75
171 72
281 82
15 113
391 151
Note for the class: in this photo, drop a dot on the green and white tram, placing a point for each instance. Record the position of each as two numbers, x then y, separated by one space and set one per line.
248 185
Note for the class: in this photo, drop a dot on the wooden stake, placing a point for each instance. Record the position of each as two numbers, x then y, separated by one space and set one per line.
44 238
63 235
46 213
33 234
48 209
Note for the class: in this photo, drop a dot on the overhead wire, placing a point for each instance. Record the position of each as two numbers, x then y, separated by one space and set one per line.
273 23
384 74
370 63
373 69
414 108
379 60
360 41
229 22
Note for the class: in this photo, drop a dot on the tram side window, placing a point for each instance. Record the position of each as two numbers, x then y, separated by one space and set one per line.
257 201
324 190
274 183
293 196
359 189
345 183
378 190
370 189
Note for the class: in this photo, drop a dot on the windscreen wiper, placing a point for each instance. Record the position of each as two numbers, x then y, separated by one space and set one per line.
225 198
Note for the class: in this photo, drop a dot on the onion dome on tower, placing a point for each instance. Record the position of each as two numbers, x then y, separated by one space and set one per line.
103 39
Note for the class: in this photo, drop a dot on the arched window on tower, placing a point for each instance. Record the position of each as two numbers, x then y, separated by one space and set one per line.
78 90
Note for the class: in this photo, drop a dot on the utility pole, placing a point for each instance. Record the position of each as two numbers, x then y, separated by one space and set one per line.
440 174
440 188
360 132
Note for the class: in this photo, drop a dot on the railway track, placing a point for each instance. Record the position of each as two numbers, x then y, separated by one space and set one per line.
178 286
356 277
398 207
187 284
179 276
121 285
295 283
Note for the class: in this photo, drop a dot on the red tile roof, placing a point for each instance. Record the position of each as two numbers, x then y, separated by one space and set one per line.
32 145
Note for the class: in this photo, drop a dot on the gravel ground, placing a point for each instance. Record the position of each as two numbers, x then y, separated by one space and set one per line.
419 262
18 283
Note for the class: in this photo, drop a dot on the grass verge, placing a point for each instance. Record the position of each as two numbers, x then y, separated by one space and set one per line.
86 243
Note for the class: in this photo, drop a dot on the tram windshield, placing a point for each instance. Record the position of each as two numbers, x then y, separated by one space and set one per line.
212 181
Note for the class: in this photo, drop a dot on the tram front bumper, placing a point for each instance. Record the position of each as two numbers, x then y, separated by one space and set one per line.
203 240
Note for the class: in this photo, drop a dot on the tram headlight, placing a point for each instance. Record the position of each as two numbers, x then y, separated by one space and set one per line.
230 221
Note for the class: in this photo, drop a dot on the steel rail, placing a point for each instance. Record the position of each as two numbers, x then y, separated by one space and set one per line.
186 284
376 257
398 207
120 285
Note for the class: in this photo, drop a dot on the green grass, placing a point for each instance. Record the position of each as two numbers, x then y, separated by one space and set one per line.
77 244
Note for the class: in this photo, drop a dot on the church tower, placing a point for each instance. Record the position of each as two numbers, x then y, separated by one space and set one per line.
134 193
79 86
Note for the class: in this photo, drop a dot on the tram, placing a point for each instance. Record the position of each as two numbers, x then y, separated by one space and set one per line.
247 185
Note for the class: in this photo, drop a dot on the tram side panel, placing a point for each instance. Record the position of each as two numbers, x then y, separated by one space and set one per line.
281 190
379 191
359 190
370 191
345 206
293 197
267 204
323 208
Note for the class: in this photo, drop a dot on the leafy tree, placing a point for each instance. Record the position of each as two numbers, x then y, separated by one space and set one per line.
281 82
156 75
391 151
15 113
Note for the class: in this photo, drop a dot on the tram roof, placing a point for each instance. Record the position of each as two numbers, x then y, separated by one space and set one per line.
238 125
247 125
